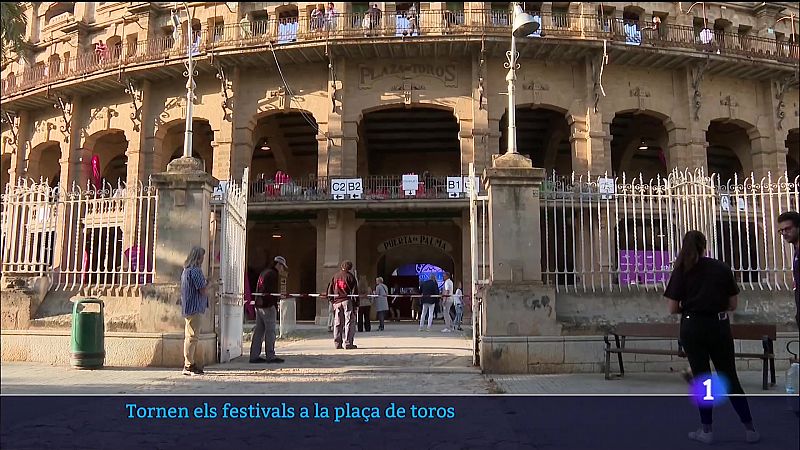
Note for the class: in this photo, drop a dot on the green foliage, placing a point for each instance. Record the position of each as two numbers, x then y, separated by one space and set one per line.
12 30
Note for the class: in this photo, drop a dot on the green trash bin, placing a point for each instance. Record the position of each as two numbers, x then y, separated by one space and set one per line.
88 335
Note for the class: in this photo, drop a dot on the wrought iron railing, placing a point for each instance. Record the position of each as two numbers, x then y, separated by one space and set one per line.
401 25
375 187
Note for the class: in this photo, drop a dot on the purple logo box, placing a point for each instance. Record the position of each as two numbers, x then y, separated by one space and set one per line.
643 267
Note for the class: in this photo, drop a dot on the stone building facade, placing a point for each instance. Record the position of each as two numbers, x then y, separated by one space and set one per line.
618 89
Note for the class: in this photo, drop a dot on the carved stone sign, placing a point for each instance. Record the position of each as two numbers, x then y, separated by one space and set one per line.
447 73
415 239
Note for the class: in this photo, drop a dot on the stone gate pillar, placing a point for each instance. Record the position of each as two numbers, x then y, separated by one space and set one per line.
183 221
516 304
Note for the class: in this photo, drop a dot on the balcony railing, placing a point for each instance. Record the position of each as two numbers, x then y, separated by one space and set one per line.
401 25
375 187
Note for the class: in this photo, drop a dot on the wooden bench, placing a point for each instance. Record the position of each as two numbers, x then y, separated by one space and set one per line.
749 332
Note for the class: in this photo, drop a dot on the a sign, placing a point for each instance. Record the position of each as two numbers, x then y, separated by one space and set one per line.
643 267
725 203
368 74
347 188
410 184
218 196
469 183
415 239
455 186
606 187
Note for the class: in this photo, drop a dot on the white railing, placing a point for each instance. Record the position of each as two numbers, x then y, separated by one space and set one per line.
603 234
81 238
28 228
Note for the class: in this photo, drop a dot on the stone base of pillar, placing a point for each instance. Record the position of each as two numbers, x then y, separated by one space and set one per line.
512 313
21 297
123 349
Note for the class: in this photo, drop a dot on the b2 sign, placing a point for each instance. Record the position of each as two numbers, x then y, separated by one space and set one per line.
347 188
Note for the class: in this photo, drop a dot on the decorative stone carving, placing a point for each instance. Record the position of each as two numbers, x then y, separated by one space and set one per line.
698 73
446 72
136 101
730 102
780 89
11 119
225 85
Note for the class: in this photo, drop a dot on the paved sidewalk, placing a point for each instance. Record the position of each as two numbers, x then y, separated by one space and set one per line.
400 360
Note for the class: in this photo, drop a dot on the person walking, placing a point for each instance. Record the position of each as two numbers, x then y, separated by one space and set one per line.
447 303
194 302
458 301
381 301
703 291
789 228
429 291
343 286
269 288
364 306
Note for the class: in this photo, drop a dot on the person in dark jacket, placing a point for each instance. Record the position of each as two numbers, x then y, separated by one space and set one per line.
703 291
269 288
789 228
342 288
430 291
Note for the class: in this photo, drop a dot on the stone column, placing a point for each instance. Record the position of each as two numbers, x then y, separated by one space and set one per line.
183 221
516 304
142 128
336 241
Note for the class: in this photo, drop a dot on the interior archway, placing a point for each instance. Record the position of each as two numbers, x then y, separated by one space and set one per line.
543 136
170 143
110 147
639 146
728 151
5 176
400 140
44 162
285 141
793 154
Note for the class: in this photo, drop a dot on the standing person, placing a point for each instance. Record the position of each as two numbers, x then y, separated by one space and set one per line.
429 289
381 301
416 307
194 302
343 286
364 306
447 303
458 300
789 228
269 286
703 290
330 16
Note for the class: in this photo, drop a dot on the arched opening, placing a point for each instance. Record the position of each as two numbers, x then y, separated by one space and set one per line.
728 146
543 136
288 16
284 142
297 242
57 9
793 154
638 146
109 160
5 176
405 267
170 139
44 162
419 140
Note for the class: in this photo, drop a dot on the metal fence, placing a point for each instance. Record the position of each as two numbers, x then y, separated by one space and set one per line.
80 238
401 24
374 187
603 234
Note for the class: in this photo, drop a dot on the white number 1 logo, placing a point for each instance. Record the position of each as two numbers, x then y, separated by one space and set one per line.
708 396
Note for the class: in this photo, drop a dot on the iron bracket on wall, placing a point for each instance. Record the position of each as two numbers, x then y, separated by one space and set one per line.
227 101
136 98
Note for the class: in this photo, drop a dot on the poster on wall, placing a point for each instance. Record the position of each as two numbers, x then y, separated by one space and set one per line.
347 188
643 267
410 184
455 187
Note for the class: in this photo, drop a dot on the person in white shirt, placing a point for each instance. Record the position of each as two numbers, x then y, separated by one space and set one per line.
447 302
458 301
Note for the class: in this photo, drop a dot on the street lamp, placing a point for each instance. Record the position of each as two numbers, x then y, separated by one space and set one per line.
189 74
523 24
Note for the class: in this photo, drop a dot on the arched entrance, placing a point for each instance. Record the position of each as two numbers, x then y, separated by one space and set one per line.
108 148
286 142
44 162
638 146
543 136
793 154
399 140
728 150
170 138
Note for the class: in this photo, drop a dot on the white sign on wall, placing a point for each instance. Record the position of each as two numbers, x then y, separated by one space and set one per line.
469 183
455 186
347 188
410 184
218 196
606 187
